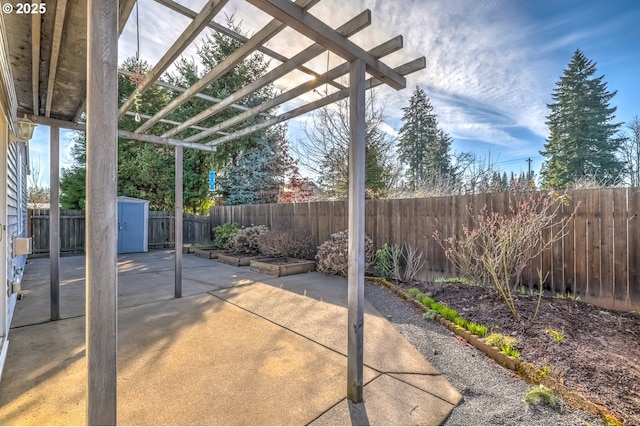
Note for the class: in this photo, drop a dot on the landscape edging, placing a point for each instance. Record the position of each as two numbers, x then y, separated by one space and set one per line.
526 370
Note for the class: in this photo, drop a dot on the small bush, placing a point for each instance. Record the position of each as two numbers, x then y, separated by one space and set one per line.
557 335
479 330
461 322
413 292
246 239
542 394
426 301
388 259
332 256
223 233
293 243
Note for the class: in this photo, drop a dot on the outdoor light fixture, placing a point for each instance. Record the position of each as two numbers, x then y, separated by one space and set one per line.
25 128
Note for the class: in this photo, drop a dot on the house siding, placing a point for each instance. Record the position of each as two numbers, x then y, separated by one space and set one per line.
16 207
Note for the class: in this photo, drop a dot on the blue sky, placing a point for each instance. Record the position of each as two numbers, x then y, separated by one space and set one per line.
491 65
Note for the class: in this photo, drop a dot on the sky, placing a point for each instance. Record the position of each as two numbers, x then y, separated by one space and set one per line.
492 65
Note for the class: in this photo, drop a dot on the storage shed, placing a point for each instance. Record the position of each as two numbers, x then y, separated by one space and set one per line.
133 221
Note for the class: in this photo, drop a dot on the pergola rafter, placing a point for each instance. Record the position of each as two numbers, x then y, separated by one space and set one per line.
408 68
99 67
170 4
261 37
210 9
379 51
354 25
197 95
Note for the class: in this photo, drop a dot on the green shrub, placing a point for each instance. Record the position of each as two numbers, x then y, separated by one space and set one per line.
223 233
388 260
461 322
448 313
541 393
413 292
479 330
426 301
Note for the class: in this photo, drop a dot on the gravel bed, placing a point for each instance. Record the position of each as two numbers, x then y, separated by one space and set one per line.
492 395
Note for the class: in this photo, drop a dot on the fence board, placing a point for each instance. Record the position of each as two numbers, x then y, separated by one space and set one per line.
422 236
607 251
620 244
594 236
633 261
580 242
382 221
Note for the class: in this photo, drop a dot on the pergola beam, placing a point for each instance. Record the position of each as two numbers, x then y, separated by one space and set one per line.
229 32
313 28
227 64
408 68
61 9
210 9
169 122
164 141
36 24
379 51
351 27
62 124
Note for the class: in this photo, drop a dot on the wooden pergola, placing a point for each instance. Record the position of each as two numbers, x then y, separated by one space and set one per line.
64 64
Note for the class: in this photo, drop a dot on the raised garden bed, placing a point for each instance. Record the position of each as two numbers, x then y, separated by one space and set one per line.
238 260
207 253
282 266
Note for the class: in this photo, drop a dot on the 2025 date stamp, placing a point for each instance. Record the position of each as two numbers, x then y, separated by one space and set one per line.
24 8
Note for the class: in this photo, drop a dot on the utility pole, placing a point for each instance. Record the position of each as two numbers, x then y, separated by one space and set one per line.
529 173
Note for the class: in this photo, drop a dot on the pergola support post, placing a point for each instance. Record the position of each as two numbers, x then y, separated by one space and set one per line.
178 223
101 231
355 351
54 222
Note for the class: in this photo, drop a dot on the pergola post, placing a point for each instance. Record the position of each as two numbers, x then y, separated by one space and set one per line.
355 296
178 223
54 221
102 214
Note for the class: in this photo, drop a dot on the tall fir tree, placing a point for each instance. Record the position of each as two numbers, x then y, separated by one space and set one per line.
422 147
582 141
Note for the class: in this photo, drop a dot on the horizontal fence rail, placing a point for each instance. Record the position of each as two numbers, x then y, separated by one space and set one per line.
598 259
195 229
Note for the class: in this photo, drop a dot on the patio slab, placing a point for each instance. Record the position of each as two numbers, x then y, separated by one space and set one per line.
237 351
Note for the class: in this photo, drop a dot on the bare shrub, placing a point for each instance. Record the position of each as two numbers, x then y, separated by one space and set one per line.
498 247
292 243
412 262
245 240
332 257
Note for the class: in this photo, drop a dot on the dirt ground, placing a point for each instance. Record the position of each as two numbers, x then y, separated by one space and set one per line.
597 352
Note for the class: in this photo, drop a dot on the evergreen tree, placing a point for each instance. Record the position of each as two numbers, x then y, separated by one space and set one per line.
422 146
147 170
582 141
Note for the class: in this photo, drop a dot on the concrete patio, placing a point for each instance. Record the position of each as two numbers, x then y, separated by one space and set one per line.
239 348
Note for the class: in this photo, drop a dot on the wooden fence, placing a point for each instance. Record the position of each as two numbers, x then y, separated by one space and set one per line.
599 258
195 229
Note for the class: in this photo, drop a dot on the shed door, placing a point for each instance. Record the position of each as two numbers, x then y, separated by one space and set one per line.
130 227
